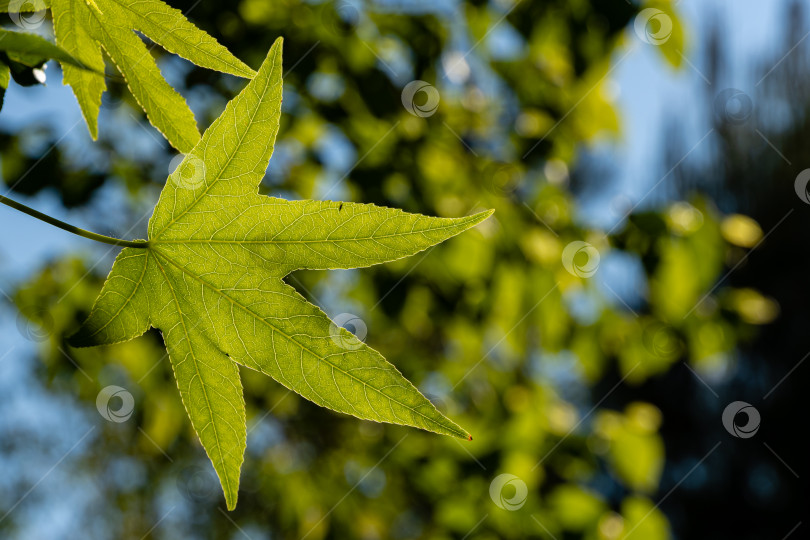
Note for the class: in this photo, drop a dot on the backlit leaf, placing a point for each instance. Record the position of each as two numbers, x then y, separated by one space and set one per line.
168 27
210 278
84 28
69 22
21 45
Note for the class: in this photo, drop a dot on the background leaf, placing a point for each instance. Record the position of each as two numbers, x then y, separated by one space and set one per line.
82 28
70 20
168 28
165 108
22 46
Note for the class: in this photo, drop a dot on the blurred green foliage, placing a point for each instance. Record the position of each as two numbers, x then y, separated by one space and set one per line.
491 325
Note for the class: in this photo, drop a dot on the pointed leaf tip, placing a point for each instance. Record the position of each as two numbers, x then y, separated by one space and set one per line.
230 501
482 216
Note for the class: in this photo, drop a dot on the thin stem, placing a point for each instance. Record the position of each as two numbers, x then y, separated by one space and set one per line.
70 228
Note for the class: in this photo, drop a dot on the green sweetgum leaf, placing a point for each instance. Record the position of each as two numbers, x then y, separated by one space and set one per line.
211 275
5 75
22 47
85 27
72 35
5 78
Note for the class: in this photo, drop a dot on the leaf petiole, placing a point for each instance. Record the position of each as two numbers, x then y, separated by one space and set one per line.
70 228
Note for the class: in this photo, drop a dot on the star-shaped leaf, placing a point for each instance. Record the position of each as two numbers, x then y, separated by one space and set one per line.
210 278
84 27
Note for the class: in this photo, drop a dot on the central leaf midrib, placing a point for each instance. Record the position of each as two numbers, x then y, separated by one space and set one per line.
214 182
323 241
70 39
196 367
302 346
